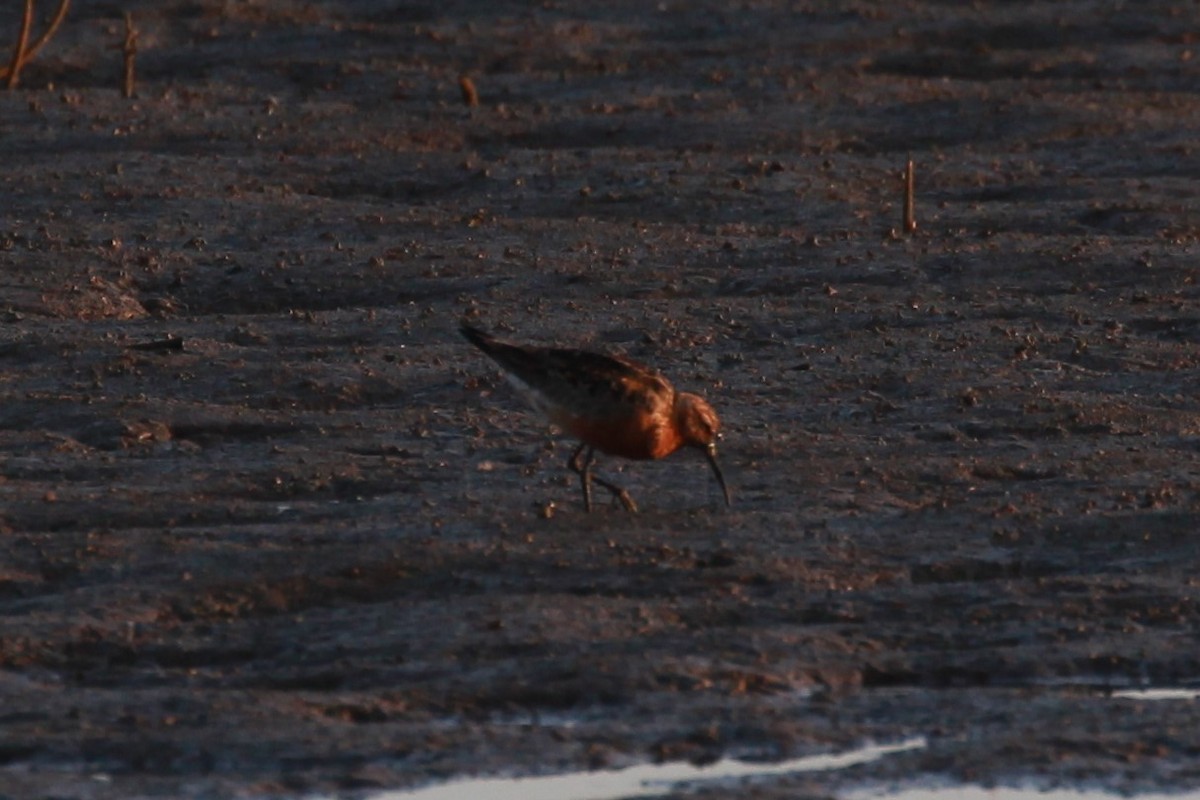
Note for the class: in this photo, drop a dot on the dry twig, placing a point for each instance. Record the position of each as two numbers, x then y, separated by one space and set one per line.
470 94
129 49
910 182
18 56
23 54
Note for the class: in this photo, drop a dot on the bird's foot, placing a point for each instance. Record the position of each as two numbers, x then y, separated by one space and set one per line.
626 500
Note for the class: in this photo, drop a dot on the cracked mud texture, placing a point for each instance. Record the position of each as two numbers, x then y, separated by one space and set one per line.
270 528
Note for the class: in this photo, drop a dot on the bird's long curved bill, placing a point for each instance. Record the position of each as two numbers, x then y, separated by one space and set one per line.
711 453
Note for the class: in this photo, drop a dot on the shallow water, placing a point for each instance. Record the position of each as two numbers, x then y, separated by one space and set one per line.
1157 694
645 780
960 792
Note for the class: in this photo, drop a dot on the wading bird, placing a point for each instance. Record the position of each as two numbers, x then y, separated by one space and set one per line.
609 403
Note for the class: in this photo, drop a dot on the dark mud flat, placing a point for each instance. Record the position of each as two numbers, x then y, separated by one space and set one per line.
270 528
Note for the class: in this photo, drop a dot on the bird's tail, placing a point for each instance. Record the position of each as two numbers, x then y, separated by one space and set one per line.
477 337
506 354
521 362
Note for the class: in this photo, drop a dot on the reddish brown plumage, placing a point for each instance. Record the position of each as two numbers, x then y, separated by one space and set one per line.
609 403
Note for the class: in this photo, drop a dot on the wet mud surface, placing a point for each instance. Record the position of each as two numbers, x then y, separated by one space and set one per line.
270 528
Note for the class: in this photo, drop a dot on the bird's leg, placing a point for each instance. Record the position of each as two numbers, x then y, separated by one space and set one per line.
584 468
620 493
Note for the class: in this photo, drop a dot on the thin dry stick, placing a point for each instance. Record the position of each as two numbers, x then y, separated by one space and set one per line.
910 183
18 56
130 51
33 49
470 94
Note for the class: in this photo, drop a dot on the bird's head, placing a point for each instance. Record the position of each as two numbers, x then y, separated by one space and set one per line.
699 426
